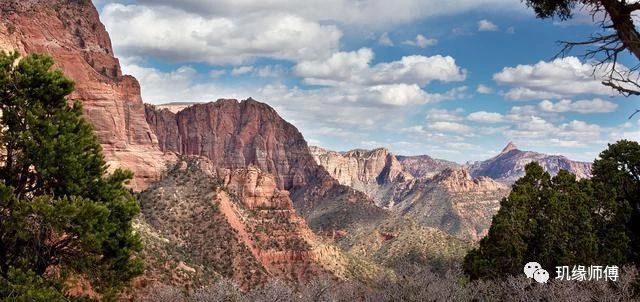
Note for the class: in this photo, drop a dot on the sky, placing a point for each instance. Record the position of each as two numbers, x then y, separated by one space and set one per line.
454 79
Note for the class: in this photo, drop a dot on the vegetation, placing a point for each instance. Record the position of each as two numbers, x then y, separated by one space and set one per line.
562 221
619 35
416 284
61 215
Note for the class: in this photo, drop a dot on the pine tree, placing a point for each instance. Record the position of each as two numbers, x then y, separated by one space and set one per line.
61 214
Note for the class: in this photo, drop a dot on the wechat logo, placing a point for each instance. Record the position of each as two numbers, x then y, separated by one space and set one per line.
534 270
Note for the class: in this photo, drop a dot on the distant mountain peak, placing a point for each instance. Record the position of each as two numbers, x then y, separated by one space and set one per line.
510 146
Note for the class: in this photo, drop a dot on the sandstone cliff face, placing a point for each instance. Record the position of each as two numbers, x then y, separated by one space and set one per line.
71 32
370 172
509 165
235 134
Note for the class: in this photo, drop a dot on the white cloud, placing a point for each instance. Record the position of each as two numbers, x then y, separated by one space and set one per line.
450 127
176 35
241 70
385 39
486 25
421 41
354 68
270 71
443 115
581 106
485 117
559 78
484 89
365 12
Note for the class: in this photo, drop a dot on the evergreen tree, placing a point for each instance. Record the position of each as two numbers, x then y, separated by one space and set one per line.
544 219
561 221
617 171
61 214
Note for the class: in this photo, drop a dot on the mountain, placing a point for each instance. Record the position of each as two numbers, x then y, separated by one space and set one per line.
442 195
425 165
234 223
371 172
509 164
454 202
71 32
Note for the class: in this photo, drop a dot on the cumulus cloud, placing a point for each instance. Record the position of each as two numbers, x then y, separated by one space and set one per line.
486 25
581 106
485 117
561 77
450 127
354 68
484 89
443 115
241 70
385 40
421 41
176 35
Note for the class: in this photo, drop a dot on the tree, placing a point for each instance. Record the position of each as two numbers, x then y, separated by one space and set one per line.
619 35
562 221
61 214
618 170
549 220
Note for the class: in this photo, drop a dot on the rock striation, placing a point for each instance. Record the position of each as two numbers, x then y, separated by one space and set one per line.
71 32
237 134
448 199
370 172
509 165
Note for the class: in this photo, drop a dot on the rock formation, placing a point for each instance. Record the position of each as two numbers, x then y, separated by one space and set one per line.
71 32
424 165
370 172
509 165
450 200
237 134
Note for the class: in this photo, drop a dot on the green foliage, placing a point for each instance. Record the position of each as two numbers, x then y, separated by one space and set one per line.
27 286
562 221
59 210
618 171
552 8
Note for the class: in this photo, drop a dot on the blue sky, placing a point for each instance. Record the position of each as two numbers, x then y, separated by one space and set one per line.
455 80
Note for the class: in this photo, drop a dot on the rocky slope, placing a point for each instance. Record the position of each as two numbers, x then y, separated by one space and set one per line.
454 202
71 32
424 165
509 165
235 223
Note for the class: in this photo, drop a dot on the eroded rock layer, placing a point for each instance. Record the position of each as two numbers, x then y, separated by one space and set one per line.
71 32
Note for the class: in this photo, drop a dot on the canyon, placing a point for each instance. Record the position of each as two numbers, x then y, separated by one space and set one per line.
231 189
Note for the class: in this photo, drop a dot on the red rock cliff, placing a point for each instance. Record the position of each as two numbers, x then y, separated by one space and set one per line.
236 134
71 32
